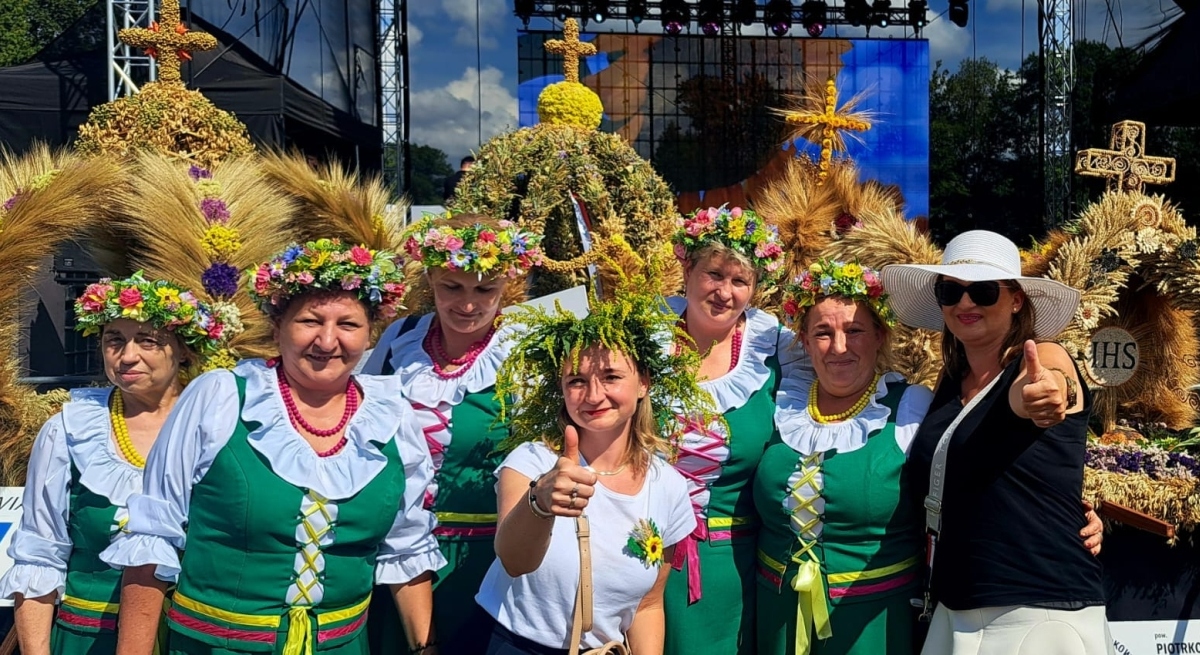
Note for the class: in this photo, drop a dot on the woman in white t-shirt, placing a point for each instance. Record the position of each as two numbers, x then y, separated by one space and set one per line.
588 390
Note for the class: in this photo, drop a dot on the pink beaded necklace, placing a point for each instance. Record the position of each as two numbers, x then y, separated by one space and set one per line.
434 344
735 348
298 421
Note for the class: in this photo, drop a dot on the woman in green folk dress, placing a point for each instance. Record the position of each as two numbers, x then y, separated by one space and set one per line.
88 459
445 363
290 485
726 254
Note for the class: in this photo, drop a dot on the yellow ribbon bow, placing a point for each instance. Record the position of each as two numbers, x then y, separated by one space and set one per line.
812 608
299 634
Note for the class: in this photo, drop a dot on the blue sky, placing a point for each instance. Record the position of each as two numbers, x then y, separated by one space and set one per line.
447 88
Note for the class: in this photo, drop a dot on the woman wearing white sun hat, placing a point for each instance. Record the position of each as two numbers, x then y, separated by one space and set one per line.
1005 437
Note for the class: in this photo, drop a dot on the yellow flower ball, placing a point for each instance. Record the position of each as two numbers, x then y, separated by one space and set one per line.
220 242
570 103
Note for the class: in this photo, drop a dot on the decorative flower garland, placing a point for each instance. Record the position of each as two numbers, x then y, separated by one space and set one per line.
219 242
508 251
203 328
375 276
738 229
834 278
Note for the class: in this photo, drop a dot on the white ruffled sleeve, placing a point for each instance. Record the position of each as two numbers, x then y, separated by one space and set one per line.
914 404
201 423
40 546
410 548
792 356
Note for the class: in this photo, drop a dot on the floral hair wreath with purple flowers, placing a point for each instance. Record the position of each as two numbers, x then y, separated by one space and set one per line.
507 251
849 280
738 229
376 277
203 328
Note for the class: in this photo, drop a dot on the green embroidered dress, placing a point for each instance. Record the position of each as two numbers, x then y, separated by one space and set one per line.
73 505
457 414
838 553
709 601
282 547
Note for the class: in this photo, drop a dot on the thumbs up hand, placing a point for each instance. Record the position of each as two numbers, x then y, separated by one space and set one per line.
566 488
1043 396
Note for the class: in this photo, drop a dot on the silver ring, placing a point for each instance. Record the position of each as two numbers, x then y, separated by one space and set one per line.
575 491
571 505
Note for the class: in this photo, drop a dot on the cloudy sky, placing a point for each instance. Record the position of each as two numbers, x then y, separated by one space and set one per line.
454 65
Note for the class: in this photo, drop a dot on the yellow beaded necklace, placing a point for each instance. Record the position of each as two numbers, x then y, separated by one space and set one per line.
859 406
121 431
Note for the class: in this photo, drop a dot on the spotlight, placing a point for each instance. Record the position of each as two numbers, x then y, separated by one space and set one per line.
916 14
746 12
881 12
959 12
778 16
598 10
674 16
858 13
711 16
563 10
523 9
636 11
812 17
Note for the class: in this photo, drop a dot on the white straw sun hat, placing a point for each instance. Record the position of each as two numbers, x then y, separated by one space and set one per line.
976 256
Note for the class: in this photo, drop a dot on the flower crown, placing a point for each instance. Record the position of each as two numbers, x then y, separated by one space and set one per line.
636 323
203 328
739 229
508 251
850 280
375 276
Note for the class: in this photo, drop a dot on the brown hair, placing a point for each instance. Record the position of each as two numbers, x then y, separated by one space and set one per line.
645 436
954 354
276 312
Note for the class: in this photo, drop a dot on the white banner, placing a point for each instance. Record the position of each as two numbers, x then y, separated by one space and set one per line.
10 518
1155 637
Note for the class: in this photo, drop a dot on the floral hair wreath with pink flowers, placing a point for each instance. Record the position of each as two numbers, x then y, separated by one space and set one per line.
204 329
376 277
507 251
849 280
738 229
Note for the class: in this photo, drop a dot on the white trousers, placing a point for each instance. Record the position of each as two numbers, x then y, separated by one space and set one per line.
1016 630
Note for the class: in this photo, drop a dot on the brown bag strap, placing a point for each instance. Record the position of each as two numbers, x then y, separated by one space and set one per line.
582 621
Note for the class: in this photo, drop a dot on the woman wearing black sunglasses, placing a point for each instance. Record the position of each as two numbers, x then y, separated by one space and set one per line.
1004 439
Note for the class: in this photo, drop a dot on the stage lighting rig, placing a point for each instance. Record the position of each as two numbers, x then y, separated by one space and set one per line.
858 13
635 11
880 11
674 16
598 10
711 16
917 15
959 12
563 10
746 12
813 15
523 9
778 17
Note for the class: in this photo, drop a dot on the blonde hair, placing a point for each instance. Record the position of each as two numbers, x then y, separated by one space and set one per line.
954 353
715 250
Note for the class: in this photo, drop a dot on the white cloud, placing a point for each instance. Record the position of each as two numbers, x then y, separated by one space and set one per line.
415 35
994 6
449 118
948 42
491 18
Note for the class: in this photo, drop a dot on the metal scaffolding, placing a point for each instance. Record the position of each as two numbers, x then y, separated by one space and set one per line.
128 68
1058 80
394 92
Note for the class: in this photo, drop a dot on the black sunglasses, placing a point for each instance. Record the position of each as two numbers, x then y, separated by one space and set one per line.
984 294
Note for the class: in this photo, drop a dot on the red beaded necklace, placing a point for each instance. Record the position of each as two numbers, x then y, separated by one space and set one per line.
298 420
735 348
434 345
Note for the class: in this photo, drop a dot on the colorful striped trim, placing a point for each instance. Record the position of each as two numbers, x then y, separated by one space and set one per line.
770 575
456 517
442 531
726 522
728 535
222 632
336 616
333 633
248 620
872 574
67 616
99 607
877 588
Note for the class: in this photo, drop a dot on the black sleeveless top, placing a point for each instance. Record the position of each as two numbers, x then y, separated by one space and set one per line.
1011 511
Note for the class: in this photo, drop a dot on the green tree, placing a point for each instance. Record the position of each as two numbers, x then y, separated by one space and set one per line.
429 168
27 26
